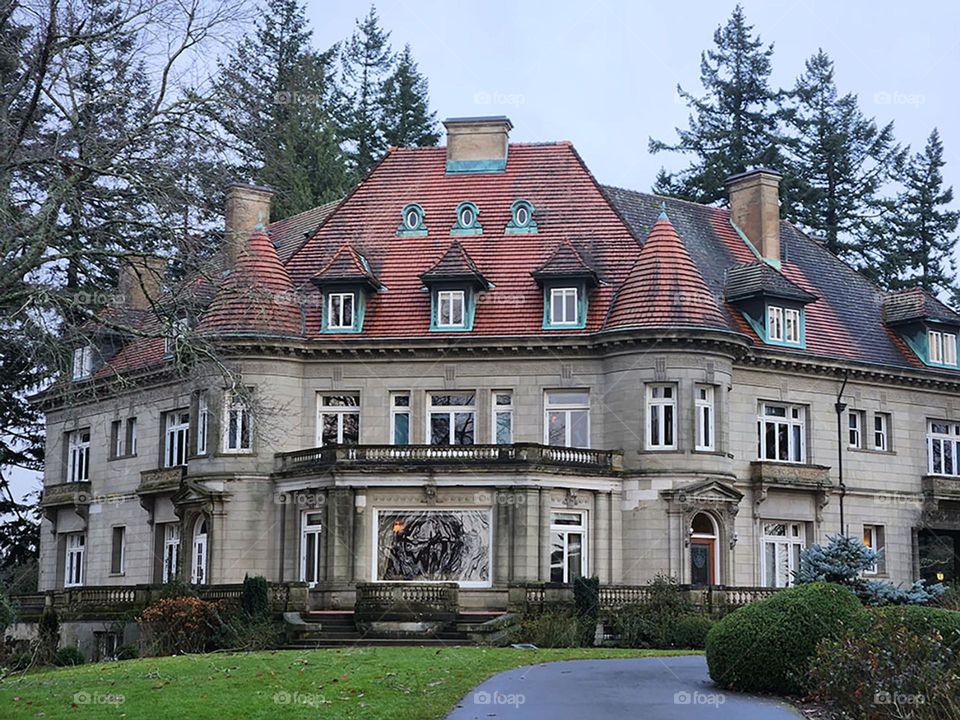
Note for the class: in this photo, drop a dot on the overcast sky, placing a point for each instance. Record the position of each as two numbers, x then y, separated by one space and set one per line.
603 74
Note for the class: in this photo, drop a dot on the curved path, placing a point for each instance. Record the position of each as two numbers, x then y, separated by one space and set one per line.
663 688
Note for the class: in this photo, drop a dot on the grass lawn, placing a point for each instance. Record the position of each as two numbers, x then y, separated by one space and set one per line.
406 682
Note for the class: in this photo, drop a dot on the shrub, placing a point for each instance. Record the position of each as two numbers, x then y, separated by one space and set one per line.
67 656
48 636
175 588
552 629
766 646
7 613
238 631
661 621
881 592
689 631
586 598
950 600
897 665
179 625
255 597
128 652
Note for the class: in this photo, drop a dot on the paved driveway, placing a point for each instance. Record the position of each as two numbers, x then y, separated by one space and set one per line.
668 688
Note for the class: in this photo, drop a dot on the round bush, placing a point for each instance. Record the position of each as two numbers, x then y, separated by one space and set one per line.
68 656
767 646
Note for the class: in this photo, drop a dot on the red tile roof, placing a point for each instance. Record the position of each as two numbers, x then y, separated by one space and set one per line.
664 288
565 262
455 264
346 266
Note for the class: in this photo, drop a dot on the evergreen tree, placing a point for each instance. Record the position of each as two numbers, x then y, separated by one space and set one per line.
407 120
734 126
277 105
837 163
921 227
366 59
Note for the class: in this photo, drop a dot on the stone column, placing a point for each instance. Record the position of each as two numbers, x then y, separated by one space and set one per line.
339 535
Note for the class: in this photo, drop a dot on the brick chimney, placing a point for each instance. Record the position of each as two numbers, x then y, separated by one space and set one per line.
141 280
246 207
755 209
477 144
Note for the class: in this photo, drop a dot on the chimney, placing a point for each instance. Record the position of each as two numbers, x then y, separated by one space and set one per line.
246 207
477 144
141 280
755 209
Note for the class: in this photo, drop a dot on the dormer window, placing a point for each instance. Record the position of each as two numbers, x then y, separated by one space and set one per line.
467 220
451 310
784 325
521 219
942 348
564 306
412 224
341 311
82 362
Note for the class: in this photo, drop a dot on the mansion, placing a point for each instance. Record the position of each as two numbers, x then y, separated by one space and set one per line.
482 366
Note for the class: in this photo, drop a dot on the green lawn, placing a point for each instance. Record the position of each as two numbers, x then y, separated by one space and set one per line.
409 683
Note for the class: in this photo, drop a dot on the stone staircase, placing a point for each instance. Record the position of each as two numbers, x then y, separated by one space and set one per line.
336 628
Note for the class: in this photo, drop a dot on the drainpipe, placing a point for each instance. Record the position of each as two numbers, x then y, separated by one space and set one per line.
840 407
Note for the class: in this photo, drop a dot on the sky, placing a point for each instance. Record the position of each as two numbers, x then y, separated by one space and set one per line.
604 74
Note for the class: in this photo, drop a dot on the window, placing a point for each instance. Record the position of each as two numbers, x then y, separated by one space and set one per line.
568 547
203 421
942 348
78 456
661 417
451 309
198 563
943 446
855 428
311 525
452 418
82 362
340 311
171 551
949 349
400 418
564 306
704 405
521 218
237 424
178 331
775 323
339 420
881 431
411 222
873 539
73 561
176 438
123 438
502 424
467 220
118 550
567 418
782 544
782 433
791 326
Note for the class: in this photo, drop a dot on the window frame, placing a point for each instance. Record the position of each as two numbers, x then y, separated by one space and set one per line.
565 530
884 431
232 443
401 411
308 530
705 409
404 229
78 455
496 410
329 315
874 538
75 559
793 544
791 422
171 552
451 411
564 292
567 409
203 422
950 439
450 294
656 408
179 432
461 228
339 411
856 422
82 368
118 556
775 326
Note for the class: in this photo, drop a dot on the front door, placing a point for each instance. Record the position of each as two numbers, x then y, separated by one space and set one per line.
701 562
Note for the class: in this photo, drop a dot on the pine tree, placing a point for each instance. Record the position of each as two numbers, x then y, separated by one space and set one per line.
922 227
837 164
407 120
278 105
734 126
366 60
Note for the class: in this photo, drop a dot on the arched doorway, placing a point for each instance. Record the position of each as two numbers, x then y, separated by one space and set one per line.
703 551
198 562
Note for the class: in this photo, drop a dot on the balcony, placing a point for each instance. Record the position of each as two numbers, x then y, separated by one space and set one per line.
941 501
69 494
160 480
790 475
528 457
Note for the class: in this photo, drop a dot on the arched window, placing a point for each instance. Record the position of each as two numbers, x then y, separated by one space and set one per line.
198 559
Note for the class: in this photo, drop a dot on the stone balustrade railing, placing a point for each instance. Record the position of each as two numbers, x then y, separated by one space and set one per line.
714 598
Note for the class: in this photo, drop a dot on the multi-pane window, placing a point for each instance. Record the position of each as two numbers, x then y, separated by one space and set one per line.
341 314
237 424
782 543
78 455
873 539
338 421
123 438
881 431
949 349
706 417
118 549
203 421
73 570
942 347
171 551
452 418
400 418
791 326
775 323
502 417
855 428
176 438
311 527
661 416
564 306
782 432
82 362
943 447
567 418
568 547
451 309
784 325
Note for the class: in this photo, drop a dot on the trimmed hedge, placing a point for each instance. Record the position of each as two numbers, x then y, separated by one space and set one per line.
767 646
